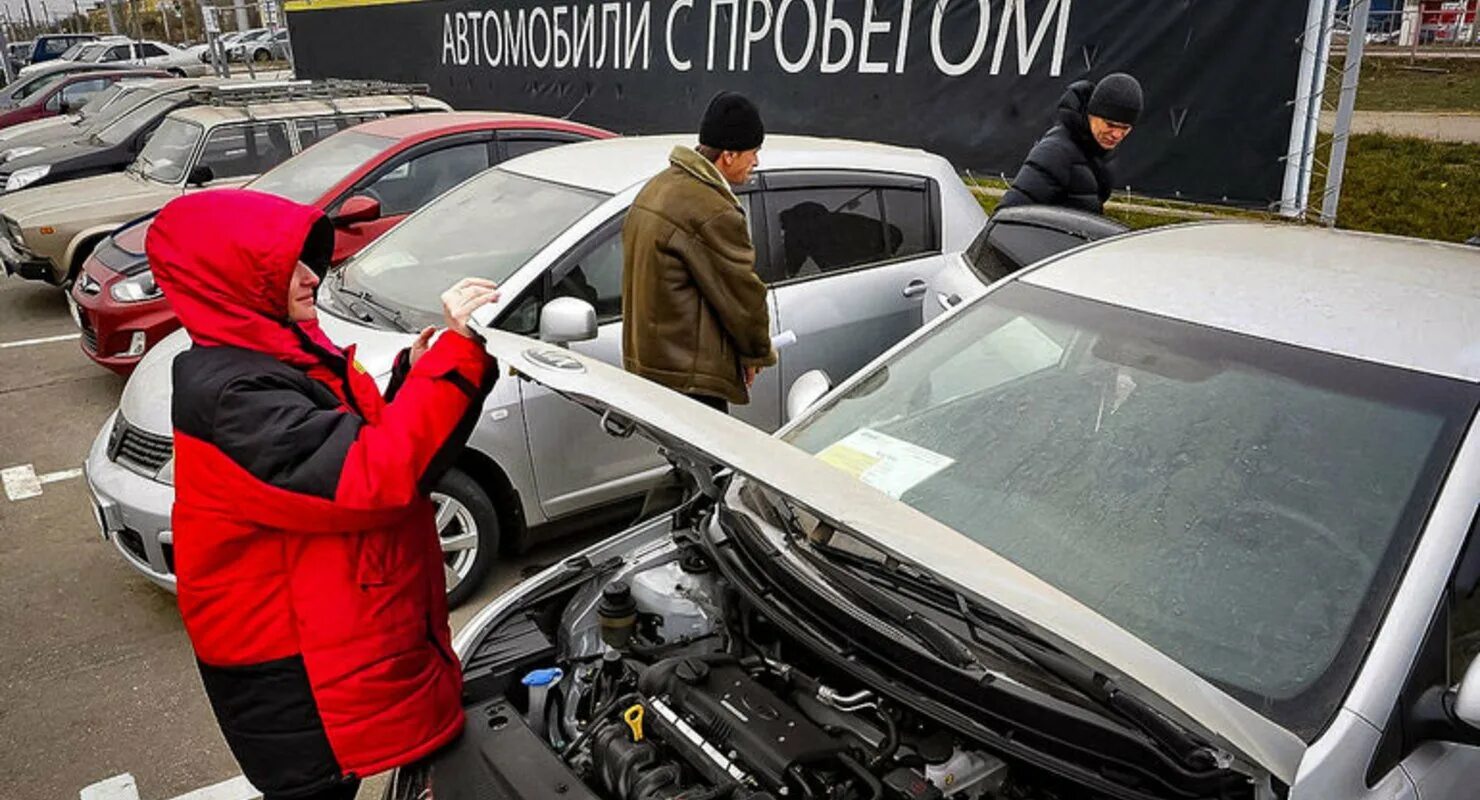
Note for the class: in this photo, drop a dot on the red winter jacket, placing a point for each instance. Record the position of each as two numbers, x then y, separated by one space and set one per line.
310 573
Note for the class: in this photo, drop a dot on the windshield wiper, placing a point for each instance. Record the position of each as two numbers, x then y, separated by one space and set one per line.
988 628
929 633
385 312
991 629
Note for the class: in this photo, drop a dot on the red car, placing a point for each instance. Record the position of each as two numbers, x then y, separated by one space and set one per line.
68 95
366 179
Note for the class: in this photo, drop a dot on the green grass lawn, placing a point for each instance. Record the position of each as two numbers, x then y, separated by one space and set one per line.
1391 84
1411 187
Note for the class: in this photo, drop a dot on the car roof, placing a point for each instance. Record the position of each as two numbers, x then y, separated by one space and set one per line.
1407 303
612 165
211 115
411 125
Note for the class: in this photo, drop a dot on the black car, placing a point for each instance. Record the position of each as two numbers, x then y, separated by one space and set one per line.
101 149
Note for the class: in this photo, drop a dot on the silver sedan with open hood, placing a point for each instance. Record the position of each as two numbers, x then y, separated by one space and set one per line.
1184 514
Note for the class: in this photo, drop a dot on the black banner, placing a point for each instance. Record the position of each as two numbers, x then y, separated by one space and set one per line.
976 81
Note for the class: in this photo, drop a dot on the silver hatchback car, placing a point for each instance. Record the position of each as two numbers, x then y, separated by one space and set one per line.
848 236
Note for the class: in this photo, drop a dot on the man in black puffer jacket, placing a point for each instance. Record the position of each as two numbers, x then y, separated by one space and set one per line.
1067 166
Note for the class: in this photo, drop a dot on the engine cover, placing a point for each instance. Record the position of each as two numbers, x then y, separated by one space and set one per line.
736 714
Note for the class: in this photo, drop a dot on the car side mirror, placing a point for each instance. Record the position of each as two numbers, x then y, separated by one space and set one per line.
357 209
200 175
567 319
805 392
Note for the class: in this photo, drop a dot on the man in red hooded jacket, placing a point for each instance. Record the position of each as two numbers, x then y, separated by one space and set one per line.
309 570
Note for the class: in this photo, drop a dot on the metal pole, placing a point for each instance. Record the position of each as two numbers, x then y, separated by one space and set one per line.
112 16
1307 109
1351 72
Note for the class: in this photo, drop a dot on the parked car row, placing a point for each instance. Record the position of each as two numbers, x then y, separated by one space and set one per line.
121 51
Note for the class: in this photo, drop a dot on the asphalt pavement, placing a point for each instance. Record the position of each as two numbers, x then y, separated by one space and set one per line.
96 674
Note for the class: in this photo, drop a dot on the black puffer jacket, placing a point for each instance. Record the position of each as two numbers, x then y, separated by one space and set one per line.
1066 167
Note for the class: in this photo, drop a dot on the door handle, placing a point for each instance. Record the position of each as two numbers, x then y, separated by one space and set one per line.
915 288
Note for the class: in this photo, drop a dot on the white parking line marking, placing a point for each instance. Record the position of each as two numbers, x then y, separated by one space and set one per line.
66 337
118 787
22 482
124 787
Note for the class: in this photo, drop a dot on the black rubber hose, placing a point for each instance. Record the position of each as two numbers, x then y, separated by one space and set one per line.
890 745
864 775
596 717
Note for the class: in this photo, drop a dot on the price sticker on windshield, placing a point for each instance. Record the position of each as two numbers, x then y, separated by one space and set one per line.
893 466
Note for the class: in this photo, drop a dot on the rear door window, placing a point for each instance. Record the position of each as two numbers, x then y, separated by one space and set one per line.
148 50
236 151
825 229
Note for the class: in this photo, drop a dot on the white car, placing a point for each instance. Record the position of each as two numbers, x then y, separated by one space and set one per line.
159 55
1187 513
847 235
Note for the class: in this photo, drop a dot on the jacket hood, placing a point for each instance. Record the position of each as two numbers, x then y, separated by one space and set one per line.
1073 115
225 257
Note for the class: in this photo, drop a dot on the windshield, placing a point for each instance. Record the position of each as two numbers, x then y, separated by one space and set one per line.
135 119
44 82
306 177
1244 507
167 156
92 53
71 52
487 227
100 101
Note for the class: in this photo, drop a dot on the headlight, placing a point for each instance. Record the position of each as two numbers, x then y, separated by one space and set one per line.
22 178
21 152
167 472
137 289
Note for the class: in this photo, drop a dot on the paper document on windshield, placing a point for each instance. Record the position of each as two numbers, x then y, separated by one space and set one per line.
893 466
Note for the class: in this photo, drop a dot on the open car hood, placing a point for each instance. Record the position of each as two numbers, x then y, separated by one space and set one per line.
705 437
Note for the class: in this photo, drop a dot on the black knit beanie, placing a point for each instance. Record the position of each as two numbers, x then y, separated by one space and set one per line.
731 123
1117 97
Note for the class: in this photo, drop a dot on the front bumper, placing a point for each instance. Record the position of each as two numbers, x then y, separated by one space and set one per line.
133 512
108 327
24 264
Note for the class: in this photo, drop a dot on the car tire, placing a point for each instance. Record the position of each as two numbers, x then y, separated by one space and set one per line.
262 56
463 504
177 72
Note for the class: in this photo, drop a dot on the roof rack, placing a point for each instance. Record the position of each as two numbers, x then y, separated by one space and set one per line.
240 95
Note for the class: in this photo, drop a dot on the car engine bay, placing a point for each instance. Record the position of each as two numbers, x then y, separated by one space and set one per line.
649 677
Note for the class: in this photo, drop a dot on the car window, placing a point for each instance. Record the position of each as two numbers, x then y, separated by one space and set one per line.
116 53
312 131
75 94
239 150
826 229
413 183
148 50
307 176
56 47
33 88
515 148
